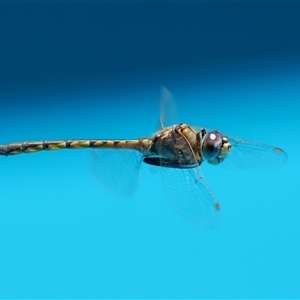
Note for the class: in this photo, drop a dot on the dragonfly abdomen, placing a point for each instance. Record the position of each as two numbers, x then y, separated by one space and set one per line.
31 147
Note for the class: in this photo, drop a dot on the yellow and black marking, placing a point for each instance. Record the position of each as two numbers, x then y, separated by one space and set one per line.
31 147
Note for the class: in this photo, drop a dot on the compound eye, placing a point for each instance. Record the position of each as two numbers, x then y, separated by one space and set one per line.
211 145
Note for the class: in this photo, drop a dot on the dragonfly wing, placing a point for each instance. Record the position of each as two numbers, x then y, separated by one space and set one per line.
254 155
168 111
248 154
116 170
189 195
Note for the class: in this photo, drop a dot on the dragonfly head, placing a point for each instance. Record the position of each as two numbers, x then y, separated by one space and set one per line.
215 147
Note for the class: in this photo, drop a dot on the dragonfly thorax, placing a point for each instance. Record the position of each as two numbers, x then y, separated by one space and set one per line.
174 147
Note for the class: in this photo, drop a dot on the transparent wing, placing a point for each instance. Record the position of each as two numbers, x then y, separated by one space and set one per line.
189 195
186 190
116 170
168 110
253 155
248 154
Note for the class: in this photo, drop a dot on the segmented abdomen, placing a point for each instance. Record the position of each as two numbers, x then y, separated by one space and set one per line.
31 147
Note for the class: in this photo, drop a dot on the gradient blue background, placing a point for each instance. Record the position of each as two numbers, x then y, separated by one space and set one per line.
94 70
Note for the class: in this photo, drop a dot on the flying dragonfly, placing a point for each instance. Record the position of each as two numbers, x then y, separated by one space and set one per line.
178 150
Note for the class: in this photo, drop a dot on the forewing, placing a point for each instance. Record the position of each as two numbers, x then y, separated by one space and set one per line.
253 155
248 154
116 170
189 195
168 110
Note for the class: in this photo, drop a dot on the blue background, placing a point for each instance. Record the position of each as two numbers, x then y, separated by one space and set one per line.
94 70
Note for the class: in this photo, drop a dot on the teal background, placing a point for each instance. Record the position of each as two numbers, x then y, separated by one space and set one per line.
94 70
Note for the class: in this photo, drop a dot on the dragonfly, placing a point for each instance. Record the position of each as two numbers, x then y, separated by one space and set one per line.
178 150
